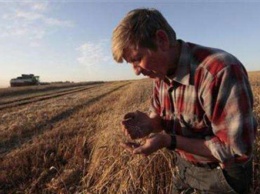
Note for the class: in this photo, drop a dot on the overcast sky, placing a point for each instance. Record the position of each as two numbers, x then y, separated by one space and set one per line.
69 40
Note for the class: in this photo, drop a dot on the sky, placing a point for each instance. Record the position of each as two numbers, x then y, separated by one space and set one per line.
70 40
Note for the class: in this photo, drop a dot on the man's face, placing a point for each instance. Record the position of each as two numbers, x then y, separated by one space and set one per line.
147 62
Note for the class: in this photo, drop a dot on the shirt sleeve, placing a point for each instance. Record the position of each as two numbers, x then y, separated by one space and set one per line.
228 102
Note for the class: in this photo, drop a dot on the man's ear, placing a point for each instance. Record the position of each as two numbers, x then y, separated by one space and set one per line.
162 40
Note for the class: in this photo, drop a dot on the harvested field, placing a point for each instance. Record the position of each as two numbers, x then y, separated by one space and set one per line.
70 143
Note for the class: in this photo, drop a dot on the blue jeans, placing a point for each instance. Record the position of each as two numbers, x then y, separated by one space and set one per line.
211 180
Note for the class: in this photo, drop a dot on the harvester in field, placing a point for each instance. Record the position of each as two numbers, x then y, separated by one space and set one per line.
25 80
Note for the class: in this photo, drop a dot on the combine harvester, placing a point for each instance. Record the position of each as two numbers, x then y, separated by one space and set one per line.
25 80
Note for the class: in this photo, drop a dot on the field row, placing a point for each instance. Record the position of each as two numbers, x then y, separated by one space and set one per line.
22 100
20 123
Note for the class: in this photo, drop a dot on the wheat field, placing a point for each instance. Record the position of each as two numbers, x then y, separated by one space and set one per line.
70 143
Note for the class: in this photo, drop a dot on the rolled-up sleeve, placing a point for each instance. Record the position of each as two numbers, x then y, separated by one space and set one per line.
227 100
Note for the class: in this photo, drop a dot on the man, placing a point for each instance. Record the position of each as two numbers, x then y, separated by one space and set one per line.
201 106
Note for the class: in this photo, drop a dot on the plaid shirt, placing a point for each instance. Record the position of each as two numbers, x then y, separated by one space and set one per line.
208 97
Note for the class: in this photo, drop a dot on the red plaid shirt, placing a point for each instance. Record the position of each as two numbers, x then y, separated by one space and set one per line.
208 97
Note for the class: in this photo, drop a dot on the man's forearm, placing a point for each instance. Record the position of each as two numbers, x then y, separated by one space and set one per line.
194 146
190 145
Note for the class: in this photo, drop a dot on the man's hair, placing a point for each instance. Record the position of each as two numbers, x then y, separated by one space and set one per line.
138 29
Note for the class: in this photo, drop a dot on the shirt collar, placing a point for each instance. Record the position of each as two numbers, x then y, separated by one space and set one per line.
182 73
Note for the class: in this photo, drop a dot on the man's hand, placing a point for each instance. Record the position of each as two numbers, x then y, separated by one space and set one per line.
137 125
153 143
